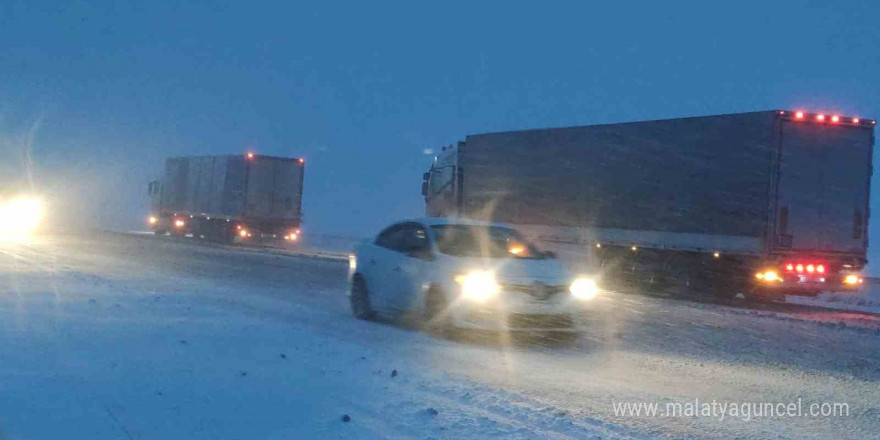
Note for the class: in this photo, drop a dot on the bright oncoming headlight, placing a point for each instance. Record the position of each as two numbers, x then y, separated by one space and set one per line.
20 216
478 285
584 288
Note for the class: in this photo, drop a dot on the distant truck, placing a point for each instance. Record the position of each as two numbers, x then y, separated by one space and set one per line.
219 198
756 203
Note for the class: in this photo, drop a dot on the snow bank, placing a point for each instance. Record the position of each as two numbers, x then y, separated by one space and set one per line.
865 300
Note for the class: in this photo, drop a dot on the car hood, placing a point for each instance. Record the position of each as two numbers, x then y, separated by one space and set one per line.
515 270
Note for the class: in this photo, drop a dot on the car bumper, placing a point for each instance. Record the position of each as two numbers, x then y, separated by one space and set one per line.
518 322
556 317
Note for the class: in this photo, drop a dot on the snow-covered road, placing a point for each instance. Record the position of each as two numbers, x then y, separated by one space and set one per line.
126 337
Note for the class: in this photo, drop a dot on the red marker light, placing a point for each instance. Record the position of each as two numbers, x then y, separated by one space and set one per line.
800 267
790 267
820 268
811 268
302 161
250 155
799 115
835 119
820 117
856 120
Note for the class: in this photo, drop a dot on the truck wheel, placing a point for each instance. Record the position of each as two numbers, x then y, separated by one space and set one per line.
360 299
227 235
756 295
219 232
437 318
160 232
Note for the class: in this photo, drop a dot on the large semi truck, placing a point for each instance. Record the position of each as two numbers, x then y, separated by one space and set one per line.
755 203
221 198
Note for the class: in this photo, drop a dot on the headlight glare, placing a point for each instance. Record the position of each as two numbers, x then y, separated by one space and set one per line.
584 289
20 216
478 285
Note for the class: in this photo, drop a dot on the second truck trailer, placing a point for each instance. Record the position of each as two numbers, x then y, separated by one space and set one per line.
248 196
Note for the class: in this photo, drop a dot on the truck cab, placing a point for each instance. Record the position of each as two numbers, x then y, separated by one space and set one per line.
441 185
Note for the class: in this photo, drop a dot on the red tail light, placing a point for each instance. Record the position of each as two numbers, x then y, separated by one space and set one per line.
820 117
808 268
835 119
799 115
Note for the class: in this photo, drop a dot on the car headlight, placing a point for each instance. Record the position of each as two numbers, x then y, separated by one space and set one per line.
478 285
20 216
584 288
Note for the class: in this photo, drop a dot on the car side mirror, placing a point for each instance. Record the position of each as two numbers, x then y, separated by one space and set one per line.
424 188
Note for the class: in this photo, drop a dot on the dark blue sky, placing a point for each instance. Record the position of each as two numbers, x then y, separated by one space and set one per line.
362 88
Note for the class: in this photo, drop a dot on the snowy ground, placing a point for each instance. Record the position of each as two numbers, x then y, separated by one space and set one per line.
126 337
867 299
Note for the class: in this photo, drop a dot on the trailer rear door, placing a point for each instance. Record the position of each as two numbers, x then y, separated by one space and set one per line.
825 170
274 188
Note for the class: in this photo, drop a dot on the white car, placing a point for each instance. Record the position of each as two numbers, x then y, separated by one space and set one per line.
448 274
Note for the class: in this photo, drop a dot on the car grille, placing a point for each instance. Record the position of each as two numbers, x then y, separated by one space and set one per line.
519 320
536 290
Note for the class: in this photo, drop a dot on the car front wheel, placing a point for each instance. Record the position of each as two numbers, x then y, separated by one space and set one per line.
437 317
360 299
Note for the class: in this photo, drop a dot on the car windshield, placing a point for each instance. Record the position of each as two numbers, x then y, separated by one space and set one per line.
484 241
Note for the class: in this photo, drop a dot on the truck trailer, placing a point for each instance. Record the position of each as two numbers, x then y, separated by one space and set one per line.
759 203
221 198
